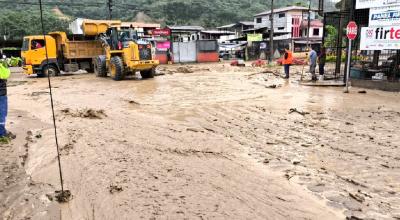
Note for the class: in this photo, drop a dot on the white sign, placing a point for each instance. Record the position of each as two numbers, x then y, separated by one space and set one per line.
360 4
380 38
387 16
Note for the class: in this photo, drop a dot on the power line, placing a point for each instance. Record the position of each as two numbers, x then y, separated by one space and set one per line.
87 4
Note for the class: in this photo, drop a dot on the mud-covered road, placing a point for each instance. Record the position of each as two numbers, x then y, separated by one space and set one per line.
201 142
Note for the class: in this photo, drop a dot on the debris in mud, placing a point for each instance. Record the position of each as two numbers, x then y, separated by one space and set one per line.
63 196
133 102
258 63
294 110
266 161
11 135
85 113
357 197
362 92
38 136
184 70
239 63
193 152
273 86
39 93
209 129
67 148
49 197
15 83
295 161
113 189
193 130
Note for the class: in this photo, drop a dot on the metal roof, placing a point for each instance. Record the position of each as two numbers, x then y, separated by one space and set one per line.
246 23
278 10
218 32
186 28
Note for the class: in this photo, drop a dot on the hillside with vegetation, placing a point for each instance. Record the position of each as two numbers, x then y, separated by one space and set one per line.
17 20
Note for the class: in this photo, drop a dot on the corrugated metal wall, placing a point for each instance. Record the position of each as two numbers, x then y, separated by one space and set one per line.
185 52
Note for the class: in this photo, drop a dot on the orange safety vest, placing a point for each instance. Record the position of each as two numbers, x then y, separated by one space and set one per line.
289 59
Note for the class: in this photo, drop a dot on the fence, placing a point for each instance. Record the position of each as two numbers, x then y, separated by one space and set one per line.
195 51
380 65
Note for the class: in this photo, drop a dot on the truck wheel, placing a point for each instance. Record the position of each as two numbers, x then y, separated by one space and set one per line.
100 68
49 70
148 73
116 68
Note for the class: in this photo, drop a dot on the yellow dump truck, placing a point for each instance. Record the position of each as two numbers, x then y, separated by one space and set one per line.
64 54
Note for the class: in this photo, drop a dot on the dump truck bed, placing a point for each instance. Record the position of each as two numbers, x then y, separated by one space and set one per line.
82 49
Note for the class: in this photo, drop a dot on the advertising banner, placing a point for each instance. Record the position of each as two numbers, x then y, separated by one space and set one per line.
380 38
386 16
161 32
163 46
361 4
254 37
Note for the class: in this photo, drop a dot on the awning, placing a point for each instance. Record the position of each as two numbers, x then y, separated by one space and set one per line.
307 42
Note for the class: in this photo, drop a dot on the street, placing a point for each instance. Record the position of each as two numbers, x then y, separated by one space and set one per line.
201 141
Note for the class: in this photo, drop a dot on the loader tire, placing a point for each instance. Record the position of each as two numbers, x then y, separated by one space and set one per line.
116 68
146 74
100 68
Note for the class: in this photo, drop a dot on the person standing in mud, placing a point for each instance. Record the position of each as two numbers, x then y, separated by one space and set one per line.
313 63
4 74
169 56
321 63
287 61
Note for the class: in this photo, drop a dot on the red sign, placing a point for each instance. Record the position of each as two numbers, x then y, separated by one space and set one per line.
162 32
352 30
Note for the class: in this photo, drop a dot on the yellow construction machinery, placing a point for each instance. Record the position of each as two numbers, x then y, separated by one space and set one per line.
101 47
125 54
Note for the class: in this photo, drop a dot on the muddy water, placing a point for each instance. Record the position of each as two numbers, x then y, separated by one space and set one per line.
215 143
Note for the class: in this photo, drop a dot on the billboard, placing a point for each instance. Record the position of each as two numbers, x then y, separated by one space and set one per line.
380 38
254 37
163 46
162 32
386 16
361 4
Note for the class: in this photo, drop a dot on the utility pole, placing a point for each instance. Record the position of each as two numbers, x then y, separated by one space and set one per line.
109 9
271 33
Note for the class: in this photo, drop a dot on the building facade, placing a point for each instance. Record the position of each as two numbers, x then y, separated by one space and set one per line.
291 25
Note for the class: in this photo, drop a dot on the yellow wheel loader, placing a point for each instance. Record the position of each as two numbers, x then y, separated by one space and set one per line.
125 54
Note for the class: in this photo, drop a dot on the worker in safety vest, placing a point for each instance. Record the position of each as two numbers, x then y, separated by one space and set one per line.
4 75
287 61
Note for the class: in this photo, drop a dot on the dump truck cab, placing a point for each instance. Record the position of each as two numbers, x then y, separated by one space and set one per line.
33 53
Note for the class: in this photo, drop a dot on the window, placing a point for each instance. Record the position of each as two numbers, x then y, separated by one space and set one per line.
281 15
281 28
259 20
37 44
316 32
25 44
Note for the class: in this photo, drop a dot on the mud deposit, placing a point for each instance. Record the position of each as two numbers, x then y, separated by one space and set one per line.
201 142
